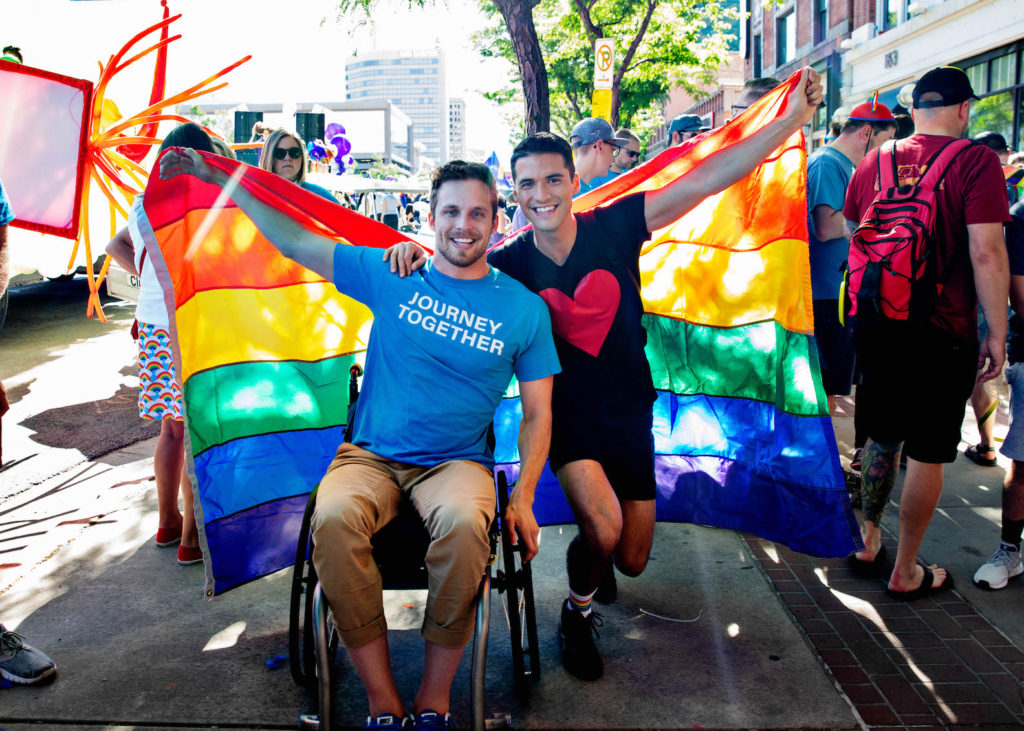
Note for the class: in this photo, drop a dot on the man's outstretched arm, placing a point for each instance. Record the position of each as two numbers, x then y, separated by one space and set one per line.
534 441
732 164
309 249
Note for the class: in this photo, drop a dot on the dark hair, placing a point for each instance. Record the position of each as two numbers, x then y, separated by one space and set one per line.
188 134
904 126
761 85
540 143
13 51
462 170
854 125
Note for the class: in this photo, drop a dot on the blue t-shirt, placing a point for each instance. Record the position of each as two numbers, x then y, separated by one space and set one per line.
440 357
828 175
320 191
6 214
597 182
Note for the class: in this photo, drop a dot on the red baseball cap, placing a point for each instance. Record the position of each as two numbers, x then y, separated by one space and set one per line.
873 111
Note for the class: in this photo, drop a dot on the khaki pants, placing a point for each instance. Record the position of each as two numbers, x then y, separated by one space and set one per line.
358 496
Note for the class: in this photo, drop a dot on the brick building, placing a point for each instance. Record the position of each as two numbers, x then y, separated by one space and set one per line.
782 38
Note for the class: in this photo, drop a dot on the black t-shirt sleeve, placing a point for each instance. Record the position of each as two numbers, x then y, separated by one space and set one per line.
625 222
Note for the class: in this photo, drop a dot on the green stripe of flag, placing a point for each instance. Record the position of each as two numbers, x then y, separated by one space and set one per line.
246 399
762 361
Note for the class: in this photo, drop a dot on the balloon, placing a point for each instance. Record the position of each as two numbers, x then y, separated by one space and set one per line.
333 130
316 150
342 143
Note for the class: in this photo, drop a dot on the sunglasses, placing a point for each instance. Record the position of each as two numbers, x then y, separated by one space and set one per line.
293 152
631 153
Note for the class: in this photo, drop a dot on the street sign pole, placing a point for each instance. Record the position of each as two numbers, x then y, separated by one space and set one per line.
604 71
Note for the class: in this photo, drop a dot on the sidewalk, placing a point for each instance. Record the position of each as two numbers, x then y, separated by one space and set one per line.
747 634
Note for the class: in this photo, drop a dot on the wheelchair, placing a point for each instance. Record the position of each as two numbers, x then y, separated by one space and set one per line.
399 549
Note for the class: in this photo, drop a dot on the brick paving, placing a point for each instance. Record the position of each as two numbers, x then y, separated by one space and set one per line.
931 663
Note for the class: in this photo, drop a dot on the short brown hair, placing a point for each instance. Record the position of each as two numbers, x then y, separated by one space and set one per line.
462 170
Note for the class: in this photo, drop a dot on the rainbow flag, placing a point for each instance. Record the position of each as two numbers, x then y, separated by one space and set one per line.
263 349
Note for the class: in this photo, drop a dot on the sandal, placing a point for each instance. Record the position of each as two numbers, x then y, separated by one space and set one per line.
976 453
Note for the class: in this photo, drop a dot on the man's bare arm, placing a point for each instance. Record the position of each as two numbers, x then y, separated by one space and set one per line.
828 223
992 281
732 164
309 249
534 441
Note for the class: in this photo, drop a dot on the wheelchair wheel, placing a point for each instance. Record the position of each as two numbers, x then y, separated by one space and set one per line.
515 586
301 657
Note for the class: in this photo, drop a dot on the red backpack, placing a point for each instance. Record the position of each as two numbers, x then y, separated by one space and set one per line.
891 268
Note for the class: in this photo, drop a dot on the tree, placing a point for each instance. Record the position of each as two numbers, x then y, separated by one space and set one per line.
663 42
524 51
659 44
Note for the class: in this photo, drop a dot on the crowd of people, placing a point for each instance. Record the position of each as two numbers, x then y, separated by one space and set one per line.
914 371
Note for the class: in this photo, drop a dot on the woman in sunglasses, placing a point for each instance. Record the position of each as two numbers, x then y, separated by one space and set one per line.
284 154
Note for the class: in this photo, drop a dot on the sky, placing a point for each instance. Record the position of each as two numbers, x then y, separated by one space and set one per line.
299 49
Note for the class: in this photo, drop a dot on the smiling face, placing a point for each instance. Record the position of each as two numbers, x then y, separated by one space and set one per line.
544 190
463 220
288 158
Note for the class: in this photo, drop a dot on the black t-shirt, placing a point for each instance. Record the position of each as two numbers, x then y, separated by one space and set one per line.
1015 248
596 311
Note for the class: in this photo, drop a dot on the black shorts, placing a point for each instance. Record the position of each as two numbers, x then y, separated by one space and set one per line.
622 444
917 381
835 348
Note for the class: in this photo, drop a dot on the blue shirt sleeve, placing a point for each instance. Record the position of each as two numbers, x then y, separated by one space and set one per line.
6 214
826 184
539 358
320 191
359 272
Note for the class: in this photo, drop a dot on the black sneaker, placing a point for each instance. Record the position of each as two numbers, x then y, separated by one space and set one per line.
608 589
576 640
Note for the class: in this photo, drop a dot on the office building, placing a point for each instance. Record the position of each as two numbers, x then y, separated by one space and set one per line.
413 80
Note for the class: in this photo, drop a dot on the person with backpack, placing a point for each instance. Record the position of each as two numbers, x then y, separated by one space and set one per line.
928 248
867 126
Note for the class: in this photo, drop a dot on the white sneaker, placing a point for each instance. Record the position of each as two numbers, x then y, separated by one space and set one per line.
998 570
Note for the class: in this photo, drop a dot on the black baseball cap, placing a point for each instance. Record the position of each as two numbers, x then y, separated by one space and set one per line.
992 139
949 82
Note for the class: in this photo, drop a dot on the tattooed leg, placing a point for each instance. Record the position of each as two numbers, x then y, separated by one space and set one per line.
878 476
881 464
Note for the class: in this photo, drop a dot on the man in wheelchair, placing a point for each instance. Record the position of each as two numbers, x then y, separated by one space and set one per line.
443 349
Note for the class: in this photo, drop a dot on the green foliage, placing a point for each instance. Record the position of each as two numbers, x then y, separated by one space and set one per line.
993 114
380 171
660 44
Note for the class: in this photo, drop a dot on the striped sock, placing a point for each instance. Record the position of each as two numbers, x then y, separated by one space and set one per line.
581 603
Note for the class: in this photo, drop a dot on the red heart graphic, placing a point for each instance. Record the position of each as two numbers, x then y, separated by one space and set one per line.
585 318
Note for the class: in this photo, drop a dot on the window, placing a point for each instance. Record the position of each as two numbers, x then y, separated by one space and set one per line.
890 16
979 78
820 21
756 63
1004 71
785 38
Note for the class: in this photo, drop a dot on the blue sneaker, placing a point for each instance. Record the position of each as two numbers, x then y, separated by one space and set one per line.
433 721
386 721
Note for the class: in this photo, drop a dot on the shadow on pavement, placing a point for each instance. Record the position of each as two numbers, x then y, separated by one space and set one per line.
94 428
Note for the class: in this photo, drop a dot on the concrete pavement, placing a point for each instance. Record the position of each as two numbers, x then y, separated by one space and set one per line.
747 634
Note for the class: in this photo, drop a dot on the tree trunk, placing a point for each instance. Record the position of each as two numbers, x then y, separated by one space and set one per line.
518 16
